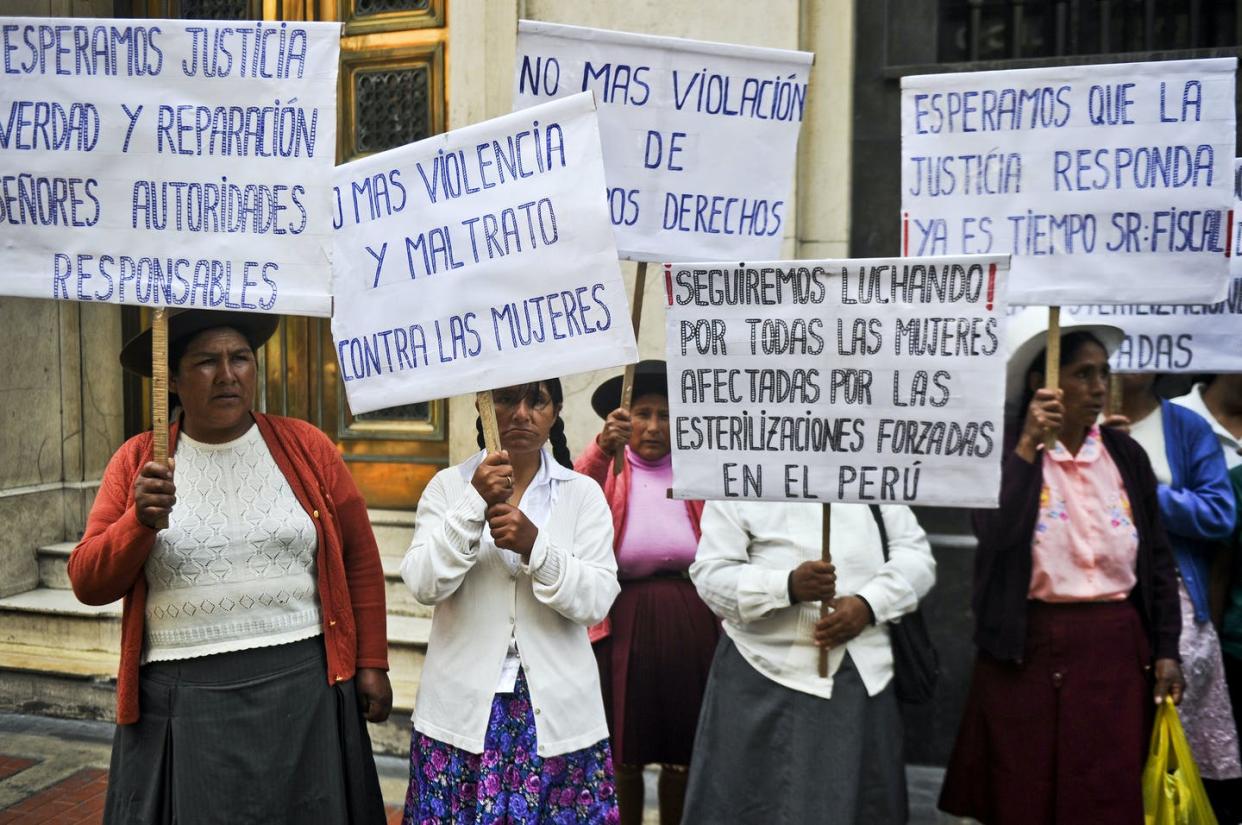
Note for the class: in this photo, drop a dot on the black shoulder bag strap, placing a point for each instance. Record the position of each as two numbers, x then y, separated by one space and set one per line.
916 666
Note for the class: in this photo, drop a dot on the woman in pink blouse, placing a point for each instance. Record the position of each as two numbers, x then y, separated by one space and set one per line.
1075 600
656 647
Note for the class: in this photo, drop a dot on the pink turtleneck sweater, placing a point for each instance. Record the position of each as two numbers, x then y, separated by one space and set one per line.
658 535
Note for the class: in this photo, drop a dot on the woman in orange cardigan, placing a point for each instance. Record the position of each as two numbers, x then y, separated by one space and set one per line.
253 636
656 647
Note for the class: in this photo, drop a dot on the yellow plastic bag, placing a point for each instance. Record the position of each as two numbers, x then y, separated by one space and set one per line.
1172 790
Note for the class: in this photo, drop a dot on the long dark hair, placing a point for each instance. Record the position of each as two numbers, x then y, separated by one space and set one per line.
560 446
1071 344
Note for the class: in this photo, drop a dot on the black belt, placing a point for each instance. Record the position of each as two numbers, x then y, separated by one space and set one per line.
659 574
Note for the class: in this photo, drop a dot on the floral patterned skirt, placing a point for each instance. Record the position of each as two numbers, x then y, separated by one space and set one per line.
509 782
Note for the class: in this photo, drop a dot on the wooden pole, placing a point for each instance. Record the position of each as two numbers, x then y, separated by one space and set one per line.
627 383
487 414
825 554
1052 363
1114 403
159 393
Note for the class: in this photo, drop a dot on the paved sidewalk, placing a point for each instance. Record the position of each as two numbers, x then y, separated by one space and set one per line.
55 772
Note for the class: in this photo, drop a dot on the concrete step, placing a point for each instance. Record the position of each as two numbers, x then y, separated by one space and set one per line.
54 565
399 599
73 684
407 650
393 530
47 617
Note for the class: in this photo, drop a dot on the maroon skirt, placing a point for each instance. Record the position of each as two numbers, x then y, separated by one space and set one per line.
653 669
1060 738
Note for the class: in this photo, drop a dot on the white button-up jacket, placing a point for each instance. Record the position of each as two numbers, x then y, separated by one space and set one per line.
747 552
547 604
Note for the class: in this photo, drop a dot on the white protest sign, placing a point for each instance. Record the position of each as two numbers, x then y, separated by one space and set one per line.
168 163
477 259
1187 337
700 139
1107 184
878 380
1175 338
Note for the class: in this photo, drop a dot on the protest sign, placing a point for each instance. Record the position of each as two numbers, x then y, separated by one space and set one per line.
168 163
1175 338
877 381
1107 184
477 259
700 139
1187 337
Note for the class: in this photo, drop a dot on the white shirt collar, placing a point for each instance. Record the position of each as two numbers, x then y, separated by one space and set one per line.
549 468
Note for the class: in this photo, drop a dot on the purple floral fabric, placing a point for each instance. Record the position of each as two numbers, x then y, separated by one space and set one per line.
509 783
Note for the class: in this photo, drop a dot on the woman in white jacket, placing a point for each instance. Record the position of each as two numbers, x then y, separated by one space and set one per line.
776 742
515 551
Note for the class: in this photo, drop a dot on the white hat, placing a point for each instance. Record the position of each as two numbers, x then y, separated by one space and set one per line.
1028 335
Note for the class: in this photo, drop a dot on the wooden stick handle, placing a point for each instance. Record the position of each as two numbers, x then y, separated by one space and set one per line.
487 414
825 554
1115 395
159 393
627 383
1052 363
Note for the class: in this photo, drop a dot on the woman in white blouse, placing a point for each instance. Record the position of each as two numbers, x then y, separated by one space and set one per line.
777 743
515 551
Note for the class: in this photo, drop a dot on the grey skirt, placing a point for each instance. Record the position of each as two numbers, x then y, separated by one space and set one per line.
257 736
766 753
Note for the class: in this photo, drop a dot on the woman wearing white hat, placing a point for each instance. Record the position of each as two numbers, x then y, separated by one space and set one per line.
1075 600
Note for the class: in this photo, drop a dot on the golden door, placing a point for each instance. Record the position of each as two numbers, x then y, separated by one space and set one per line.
392 92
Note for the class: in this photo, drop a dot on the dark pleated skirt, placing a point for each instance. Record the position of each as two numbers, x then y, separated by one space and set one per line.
768 754
257 737
1061 738
653 669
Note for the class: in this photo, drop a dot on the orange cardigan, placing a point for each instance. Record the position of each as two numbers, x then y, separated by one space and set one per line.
108 563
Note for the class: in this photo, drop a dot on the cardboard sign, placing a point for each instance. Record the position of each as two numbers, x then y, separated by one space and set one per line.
700 139
168 162
877 381
1182 338
477 259
1107 184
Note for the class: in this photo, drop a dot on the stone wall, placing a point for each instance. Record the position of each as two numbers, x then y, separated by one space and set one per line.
60 421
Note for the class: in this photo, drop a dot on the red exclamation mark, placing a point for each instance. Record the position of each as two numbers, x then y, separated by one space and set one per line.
905 235
668 283
991 284
1229 238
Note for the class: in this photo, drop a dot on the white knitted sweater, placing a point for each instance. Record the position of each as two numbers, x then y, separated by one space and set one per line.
236 567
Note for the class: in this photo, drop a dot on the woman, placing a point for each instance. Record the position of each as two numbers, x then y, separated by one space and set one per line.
1219 400
1197 508
514 550
655 649
1075 595
777 743
254 624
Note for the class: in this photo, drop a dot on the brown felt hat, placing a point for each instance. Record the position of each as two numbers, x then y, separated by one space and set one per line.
255 327
649 376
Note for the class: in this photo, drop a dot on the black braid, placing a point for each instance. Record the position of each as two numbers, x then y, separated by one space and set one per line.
560 447
478 428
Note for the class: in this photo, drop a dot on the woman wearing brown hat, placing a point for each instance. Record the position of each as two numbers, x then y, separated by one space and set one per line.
253 636
655 649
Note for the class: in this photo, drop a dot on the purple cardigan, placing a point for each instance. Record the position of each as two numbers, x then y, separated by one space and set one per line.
1003 560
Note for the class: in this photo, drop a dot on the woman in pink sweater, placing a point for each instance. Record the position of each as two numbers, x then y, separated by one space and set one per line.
655 648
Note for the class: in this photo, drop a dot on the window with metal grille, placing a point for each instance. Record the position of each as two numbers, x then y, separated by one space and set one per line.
987 30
